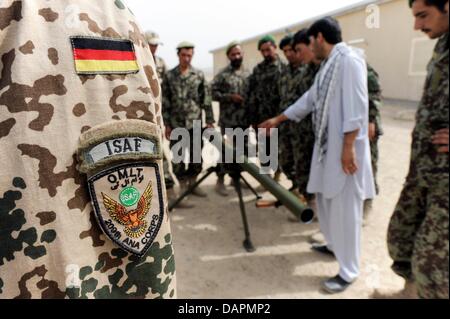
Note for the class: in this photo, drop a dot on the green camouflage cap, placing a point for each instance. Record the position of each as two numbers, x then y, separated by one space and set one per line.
265 39
232 45
185 45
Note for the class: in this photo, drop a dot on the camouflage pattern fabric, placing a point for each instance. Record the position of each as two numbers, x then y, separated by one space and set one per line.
161 68
185 171
168 178
230 81
418 232
290 91
375 104
184 98
264 95
303 134
52 246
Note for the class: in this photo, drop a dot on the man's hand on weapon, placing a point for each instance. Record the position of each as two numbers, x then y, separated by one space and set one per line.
441 138
272 123
237 99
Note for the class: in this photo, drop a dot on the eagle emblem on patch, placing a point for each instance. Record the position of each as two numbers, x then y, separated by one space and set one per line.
133 220
128 204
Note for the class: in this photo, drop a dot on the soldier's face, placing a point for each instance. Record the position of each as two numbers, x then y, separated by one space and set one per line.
185 56
153 48
290 55
304 53
236 56
268 51
429 19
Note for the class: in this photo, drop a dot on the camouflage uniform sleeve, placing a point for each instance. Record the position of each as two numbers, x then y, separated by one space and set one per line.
167 100
206 100
164 68
375 103
216 88
251 83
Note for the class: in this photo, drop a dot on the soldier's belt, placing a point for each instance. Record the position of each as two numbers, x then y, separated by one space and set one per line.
122 162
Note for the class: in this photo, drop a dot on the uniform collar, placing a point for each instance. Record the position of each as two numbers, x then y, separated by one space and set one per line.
191 70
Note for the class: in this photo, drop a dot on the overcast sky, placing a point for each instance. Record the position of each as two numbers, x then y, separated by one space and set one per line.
213 23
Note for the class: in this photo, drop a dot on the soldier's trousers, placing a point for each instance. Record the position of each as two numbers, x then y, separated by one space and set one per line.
168 178
375 157
186 170
286 151
303 144
418 237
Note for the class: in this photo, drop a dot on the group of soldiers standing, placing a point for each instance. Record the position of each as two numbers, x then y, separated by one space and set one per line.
247 99
418 234
56 163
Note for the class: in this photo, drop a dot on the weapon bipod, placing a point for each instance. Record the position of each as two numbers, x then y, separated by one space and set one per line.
236 175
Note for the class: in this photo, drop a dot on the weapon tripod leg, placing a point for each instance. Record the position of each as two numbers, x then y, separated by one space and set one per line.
248 245
192 188
258 197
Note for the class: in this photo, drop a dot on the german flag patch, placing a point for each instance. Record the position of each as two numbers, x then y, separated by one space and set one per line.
103 56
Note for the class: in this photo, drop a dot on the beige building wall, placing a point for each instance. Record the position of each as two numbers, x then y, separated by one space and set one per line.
395 50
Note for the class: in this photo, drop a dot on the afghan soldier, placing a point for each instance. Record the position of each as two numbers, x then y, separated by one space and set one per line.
230 90
186 94
418 232
154 42
375 128
80 123
264 96
288 88
303 132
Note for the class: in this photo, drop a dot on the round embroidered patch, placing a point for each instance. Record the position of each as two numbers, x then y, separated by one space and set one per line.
129 196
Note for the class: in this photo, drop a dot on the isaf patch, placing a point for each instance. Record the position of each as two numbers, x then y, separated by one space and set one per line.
103 56
122 162
128 204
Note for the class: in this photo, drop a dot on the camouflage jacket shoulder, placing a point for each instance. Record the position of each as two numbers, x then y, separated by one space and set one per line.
290 86
309 74
432 115
161 67
184 98
230 81
264 95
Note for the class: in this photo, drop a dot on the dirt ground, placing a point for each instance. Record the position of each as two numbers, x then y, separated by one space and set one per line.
212 263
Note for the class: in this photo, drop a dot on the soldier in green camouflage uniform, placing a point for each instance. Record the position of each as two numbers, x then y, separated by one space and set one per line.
289 84
185 95
375 127
418 233
303 133
229 88
51 244
264 96
154 42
